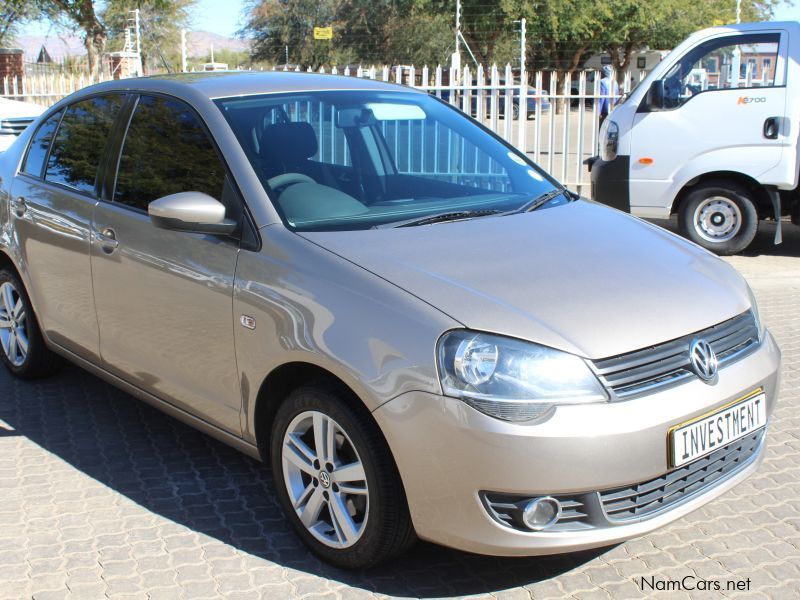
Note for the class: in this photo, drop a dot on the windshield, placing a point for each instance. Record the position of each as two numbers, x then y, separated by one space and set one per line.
344 160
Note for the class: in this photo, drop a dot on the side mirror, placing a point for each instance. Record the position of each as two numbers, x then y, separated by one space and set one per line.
655 95
193 212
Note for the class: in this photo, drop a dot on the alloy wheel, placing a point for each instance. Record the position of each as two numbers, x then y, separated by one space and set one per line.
13 325
325 479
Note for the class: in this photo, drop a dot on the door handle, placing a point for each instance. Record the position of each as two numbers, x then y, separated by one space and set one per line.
18 206
771 128
106 239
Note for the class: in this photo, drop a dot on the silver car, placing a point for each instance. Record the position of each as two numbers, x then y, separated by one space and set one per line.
422 333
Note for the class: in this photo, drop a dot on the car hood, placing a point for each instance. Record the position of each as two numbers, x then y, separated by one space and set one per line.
580 277
17 108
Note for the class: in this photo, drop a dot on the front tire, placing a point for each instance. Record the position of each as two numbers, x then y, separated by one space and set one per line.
22 347
720 216
337 481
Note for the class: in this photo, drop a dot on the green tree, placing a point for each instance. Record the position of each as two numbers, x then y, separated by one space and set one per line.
275 25
160 21
81 14
634 24
12 14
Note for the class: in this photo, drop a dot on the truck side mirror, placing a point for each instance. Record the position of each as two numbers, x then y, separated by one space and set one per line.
655 95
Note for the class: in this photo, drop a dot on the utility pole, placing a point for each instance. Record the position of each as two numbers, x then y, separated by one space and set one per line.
455 61
183 51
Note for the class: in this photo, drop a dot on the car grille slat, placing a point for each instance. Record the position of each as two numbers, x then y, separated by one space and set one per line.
15 125
642 371
648 497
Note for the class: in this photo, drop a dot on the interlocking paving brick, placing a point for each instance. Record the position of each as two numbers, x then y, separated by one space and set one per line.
101 495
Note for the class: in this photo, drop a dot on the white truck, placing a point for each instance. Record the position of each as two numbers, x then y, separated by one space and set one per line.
712 134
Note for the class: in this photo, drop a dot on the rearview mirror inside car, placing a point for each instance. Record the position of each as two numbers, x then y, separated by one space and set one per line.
193 212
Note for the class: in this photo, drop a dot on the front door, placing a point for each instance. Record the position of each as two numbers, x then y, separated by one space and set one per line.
164 298
718 97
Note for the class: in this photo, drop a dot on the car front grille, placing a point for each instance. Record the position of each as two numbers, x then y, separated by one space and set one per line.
15 125
646 370
643 499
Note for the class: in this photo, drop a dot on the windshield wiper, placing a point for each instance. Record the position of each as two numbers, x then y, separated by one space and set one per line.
458 215
540 201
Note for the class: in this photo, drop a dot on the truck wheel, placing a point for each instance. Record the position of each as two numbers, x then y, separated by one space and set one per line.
720 216
337 481
22 347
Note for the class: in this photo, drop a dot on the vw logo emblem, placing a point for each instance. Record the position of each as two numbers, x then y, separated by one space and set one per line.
325 479
704 361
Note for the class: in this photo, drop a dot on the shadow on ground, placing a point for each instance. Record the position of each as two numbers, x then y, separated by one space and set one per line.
764 242
186 477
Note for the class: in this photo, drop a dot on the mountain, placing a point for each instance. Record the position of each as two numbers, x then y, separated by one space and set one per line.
198 43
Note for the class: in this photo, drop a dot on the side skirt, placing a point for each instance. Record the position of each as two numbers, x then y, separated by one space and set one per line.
173 411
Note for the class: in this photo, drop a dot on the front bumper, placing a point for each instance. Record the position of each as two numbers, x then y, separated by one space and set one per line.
611 182
448 453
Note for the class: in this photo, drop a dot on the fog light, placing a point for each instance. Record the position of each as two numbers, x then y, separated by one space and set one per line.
541 513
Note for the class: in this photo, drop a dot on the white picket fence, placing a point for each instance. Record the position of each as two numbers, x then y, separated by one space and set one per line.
554 119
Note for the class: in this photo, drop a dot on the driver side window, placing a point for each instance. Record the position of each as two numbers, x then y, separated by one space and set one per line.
733 62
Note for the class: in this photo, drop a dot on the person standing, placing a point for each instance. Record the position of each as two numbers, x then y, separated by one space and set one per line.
609 92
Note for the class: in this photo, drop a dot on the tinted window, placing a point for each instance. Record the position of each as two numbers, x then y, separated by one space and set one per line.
81 141
166 151
37 152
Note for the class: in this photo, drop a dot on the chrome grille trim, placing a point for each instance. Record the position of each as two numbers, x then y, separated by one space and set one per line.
664 365
645 499
15 125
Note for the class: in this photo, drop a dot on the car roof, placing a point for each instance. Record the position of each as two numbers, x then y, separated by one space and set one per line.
224 84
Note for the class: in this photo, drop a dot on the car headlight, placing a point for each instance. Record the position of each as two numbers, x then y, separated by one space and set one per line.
756 313
511 379
609 138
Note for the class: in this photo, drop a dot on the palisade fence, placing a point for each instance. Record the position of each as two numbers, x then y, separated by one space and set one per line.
554 119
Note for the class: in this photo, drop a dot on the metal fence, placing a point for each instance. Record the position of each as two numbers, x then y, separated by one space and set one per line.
555 118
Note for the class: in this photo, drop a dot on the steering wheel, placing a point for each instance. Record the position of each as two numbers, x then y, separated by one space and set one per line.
285 179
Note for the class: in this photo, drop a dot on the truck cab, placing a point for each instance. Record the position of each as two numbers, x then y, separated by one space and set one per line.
712 135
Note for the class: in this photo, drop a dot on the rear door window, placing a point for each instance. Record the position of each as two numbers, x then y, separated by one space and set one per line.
37 151
81 141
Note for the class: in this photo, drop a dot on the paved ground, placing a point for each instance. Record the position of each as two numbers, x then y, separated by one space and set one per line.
102 495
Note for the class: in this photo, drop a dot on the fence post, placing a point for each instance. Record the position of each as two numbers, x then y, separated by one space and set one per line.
581 109
537 116
426 81
508 104
551 134
565 133
437 81
480 96
495 83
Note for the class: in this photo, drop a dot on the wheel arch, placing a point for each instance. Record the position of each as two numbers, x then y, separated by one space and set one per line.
762 200
280 382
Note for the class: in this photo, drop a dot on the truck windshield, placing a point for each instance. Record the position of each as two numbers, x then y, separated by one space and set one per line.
343 160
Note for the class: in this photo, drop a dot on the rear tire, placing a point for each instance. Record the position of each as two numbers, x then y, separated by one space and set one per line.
353 518
22 347
720 216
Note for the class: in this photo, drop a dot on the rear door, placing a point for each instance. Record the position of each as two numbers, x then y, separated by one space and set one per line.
719 95
53 198
164 298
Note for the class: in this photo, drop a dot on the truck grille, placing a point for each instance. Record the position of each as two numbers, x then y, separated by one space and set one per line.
643 371
15 125
643 499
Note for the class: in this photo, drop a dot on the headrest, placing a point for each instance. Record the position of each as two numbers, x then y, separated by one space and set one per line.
289 142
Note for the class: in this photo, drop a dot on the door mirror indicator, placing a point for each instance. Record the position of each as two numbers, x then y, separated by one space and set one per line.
193 212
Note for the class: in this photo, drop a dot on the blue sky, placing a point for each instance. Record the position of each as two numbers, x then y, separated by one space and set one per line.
217 16
224 17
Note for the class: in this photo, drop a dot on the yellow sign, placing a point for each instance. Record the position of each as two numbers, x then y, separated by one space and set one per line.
323 33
